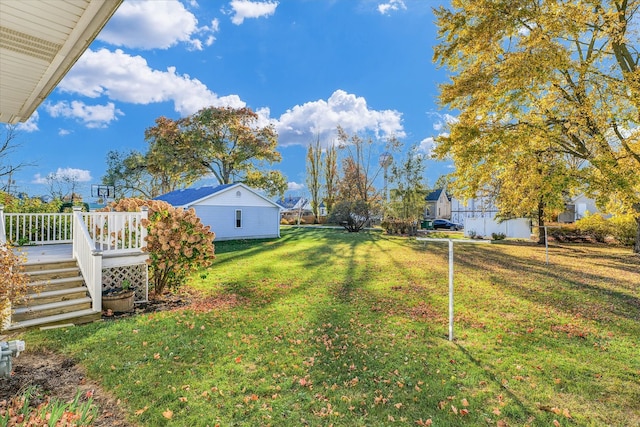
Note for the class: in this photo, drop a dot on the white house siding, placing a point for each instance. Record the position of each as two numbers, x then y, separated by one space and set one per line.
519 228
257 221
236 196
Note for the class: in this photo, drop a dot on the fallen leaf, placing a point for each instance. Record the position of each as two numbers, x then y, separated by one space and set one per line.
465 402
156 356
141 411
464 412
182 399
556 423
168 414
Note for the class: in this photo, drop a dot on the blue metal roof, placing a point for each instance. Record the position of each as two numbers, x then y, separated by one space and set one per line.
289 202
187 196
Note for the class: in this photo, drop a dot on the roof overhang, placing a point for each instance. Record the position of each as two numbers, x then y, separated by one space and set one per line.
39 43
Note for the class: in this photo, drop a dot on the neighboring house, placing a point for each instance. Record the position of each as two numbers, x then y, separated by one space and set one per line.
577 208
234 211
294 207
437 205
322 209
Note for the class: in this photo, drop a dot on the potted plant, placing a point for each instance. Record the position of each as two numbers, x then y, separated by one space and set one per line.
119 299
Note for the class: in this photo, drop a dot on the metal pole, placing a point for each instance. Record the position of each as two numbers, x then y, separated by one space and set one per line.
450 290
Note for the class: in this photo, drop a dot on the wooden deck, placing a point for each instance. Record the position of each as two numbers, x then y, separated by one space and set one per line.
46 253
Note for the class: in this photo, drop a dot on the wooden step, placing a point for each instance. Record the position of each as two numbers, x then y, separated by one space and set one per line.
51 309
54 284
50 296
56 295
71 318
53 273
30 267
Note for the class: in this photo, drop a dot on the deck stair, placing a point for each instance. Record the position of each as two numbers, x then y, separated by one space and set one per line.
56 295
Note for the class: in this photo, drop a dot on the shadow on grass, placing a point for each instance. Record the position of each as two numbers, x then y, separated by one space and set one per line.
597 287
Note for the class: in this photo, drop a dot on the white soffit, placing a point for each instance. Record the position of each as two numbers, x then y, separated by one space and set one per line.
40 40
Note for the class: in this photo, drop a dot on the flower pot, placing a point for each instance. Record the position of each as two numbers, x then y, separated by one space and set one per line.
119 302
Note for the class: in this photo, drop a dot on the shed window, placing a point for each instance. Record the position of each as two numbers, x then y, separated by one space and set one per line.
238 218
238 194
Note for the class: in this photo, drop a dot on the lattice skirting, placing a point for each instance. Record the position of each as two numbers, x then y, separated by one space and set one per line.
136 274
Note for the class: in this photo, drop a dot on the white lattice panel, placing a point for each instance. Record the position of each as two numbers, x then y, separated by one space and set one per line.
137 276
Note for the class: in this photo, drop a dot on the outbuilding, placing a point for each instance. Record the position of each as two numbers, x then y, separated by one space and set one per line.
234 211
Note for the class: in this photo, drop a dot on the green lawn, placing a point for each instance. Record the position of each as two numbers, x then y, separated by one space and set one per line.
323 327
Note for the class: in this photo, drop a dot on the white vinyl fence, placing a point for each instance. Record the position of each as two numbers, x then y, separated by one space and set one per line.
519 228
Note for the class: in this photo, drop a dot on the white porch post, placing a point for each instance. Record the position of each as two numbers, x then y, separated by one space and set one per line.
3 235
89 259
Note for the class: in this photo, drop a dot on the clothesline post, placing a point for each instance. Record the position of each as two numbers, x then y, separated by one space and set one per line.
451 281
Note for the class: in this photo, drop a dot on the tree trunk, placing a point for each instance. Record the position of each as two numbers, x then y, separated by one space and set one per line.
636 245
542 239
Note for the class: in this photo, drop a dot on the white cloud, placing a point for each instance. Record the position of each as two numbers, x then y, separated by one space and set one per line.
426 146
251 9
64 132
302 123
126 78
31 125
93 116
391 6
154 25
294 186
78 175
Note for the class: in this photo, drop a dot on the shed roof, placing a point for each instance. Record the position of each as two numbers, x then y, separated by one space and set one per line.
191 196
39 42
188 196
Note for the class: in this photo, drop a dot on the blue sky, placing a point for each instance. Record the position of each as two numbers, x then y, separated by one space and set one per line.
304 65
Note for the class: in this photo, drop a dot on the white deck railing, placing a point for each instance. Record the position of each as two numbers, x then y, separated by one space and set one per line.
110 232
36 228
89 260
116 232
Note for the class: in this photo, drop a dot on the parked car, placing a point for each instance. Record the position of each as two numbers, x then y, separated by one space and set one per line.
443 223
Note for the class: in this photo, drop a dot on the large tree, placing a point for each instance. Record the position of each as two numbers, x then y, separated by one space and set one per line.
231 144
543 76
314 181
330 177
358 198
409 190
135 174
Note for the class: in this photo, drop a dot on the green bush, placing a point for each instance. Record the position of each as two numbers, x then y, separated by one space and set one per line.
399 226
595 226
624 229
498 236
